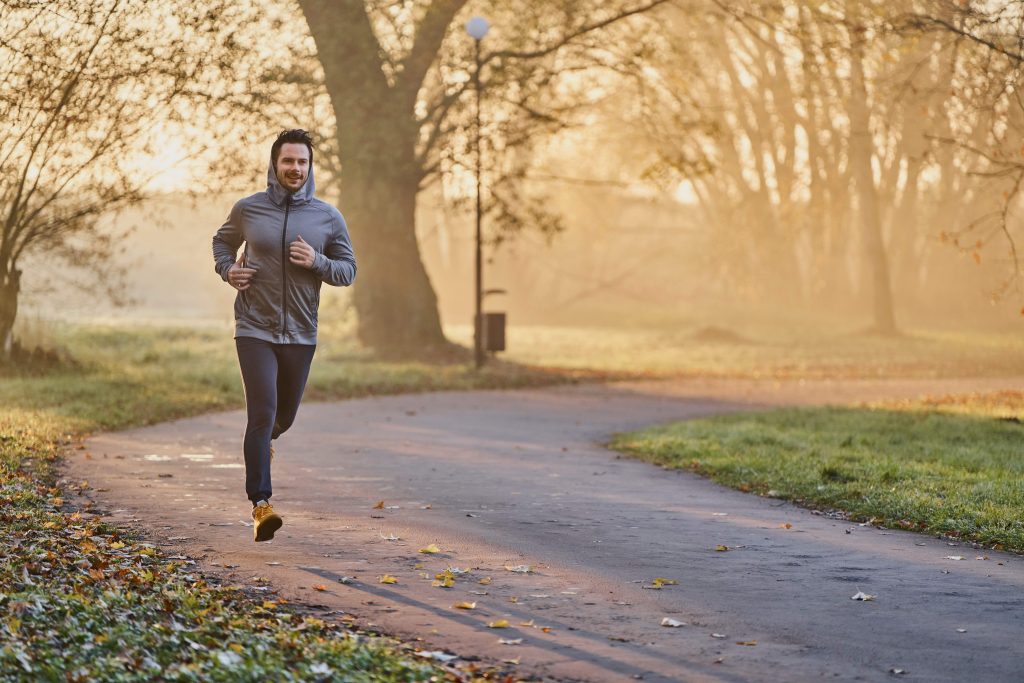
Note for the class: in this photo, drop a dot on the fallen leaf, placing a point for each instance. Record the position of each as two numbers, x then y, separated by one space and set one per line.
861 595
430 549
464 605
953 557
787 525
444 580
526 623
319 587
659 582
486 581
520 569
722 548
379 505
440 656
546 629
387 578
750 643
499 623
673 623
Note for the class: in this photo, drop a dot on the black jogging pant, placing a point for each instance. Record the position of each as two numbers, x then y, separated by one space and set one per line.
274 376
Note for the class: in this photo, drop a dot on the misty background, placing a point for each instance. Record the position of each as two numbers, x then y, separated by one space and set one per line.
688 165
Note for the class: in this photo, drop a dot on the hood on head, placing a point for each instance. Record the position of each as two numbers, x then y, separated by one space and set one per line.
279 195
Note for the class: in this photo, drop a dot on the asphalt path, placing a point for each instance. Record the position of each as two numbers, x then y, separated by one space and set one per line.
506 480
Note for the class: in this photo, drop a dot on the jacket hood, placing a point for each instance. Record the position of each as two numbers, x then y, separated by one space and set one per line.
279 195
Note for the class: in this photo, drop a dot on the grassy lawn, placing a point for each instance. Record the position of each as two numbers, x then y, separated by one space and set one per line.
81 600
948 465
765 351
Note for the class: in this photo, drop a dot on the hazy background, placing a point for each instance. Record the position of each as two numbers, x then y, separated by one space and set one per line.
744 166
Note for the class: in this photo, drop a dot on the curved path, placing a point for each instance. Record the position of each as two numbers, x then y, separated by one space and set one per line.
502 479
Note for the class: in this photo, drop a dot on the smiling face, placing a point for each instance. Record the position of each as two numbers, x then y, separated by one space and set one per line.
292 166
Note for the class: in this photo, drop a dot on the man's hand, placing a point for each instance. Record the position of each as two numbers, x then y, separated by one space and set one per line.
239 275
300 253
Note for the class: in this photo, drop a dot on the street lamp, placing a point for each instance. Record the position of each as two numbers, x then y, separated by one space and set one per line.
477 28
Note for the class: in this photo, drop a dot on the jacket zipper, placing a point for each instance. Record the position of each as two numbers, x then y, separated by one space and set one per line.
245 264
284 269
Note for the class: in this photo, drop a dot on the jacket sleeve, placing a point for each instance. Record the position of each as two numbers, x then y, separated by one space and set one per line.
227 241
337 264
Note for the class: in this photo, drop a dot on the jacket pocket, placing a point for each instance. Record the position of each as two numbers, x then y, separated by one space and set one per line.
307 302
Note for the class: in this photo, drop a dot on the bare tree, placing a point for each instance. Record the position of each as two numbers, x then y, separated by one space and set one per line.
398 83
89 92
818 141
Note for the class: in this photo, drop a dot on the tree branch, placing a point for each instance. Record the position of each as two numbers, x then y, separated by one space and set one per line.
573 35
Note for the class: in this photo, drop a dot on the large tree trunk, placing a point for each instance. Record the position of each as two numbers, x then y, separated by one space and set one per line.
10 285
394 298
377 134
861 149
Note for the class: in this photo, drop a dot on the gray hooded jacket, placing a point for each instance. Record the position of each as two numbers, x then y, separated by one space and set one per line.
280 305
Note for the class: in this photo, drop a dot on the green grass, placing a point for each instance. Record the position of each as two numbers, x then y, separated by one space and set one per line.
130 375
81 600
764 351
945 466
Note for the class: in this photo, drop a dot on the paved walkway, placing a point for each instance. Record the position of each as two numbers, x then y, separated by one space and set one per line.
503 479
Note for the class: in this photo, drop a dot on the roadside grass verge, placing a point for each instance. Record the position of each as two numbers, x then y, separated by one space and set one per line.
948 465
81 600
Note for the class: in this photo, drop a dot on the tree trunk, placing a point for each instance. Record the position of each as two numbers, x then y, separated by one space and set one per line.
861 149
10 285
394 298
377 133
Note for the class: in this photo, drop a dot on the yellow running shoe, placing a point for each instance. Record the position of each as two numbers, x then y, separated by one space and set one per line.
265 521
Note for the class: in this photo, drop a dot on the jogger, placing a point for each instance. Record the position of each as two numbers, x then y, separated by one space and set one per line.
293 244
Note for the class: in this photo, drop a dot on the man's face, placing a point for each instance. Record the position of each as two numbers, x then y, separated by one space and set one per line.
292 165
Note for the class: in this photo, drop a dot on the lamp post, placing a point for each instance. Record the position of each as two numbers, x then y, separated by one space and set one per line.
477 28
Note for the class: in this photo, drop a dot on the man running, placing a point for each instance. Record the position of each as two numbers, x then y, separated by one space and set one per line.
293 243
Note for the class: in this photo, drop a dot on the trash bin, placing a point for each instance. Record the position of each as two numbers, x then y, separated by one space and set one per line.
493 331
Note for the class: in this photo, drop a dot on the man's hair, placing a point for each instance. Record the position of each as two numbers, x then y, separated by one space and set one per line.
296 135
